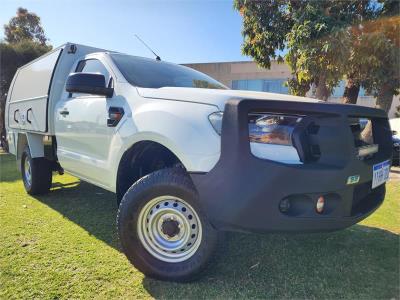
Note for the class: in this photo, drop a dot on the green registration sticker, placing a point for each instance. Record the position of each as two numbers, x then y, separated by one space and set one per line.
353 179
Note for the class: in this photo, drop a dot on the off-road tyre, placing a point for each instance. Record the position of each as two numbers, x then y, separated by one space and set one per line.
40 178
173 182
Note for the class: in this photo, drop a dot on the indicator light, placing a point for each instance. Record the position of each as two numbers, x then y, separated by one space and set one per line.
320 205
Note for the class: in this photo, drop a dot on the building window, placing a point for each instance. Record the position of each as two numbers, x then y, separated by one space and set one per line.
278 86
261 85
339 90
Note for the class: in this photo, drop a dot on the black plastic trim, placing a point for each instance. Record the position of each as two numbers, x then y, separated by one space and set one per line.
243 192
27 115
111 121
90 83
15 119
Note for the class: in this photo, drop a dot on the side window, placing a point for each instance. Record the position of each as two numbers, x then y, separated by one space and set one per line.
92 66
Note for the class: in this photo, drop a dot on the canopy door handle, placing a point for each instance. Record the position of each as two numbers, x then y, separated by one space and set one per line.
15 117
27 115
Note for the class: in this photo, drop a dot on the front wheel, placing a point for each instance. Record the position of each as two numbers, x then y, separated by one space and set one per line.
162 229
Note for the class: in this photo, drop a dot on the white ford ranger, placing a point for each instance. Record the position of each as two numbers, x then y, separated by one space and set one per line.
188 157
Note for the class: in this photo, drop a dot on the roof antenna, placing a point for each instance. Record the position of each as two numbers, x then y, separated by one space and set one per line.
157 57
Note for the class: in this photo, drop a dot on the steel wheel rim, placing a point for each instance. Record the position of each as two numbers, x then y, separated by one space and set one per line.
28 171
161 214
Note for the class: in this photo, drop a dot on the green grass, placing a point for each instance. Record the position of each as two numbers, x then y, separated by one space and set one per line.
64 245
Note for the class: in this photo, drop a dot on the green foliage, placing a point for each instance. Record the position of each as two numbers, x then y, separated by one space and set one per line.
376 56
24 26
318 42
299 87
265 26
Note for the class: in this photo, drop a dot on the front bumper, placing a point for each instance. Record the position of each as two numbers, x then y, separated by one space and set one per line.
244 193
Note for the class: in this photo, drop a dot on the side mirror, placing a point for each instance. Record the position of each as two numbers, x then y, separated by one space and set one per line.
88 83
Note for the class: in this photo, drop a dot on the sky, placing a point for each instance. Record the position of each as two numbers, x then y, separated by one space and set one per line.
180 31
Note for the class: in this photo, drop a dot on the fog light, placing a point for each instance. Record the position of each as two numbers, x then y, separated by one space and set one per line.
320 205
284 205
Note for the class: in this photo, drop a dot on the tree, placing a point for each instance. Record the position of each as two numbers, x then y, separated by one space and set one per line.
265 26
315 34
377 55
374 61
319 44
380 67
24 26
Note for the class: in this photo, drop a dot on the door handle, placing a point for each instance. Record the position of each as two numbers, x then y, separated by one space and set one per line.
27 115
15 118
64 112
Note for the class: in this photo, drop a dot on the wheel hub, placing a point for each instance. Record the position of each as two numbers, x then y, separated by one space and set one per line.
169 229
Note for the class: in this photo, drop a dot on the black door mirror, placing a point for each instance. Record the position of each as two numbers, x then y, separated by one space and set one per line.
88 83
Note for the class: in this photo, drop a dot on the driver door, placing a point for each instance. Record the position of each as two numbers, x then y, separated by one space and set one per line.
83 137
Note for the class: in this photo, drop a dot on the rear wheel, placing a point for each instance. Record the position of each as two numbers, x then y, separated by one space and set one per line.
162 229
36 173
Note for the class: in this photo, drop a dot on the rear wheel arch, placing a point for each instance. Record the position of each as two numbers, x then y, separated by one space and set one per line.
34 141
21 144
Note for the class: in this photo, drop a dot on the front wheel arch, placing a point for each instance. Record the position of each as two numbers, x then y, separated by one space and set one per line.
141 159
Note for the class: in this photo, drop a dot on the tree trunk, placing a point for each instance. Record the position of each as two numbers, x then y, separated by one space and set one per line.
322 91
351 91
385 98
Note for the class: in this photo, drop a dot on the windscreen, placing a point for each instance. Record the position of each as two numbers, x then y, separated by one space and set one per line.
149 73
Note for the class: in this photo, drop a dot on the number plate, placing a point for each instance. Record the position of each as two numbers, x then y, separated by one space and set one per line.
380 173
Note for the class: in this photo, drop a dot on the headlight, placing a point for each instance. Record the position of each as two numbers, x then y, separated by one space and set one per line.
272 128
216 121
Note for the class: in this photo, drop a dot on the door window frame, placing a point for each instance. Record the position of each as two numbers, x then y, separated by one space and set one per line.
110 82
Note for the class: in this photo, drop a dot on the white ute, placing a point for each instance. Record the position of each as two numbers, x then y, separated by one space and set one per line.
182 158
